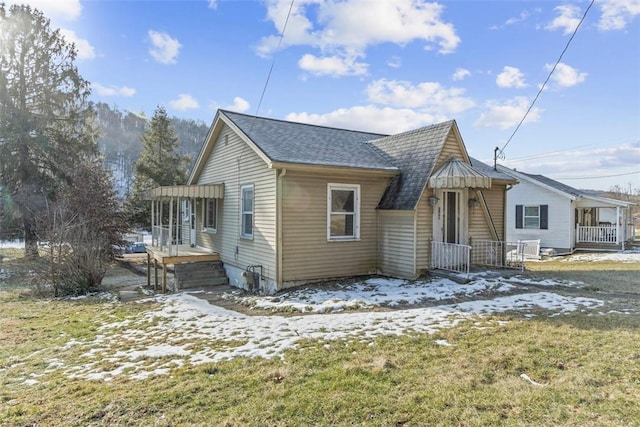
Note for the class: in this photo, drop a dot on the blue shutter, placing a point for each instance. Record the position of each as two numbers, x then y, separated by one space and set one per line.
544 217
518 216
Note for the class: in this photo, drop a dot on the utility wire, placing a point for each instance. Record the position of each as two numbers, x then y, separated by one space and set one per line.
602 176
273 62
548 77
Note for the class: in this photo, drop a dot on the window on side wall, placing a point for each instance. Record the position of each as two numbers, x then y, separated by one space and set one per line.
246 211
210 215
532 217
343 212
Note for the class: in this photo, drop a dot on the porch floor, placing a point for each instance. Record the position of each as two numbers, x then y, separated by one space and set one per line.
599 246
179 254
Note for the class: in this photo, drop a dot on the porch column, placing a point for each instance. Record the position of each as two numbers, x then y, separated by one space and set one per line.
618 226
170 225
161 229
153 222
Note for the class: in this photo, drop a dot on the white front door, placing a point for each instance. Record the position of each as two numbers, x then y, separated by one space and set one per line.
449 217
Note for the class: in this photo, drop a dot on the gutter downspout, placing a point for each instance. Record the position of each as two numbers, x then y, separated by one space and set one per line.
279 256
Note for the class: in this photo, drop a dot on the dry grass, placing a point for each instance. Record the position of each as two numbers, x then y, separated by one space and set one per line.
587 368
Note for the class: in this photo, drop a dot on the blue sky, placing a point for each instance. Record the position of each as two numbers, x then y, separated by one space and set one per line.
385 67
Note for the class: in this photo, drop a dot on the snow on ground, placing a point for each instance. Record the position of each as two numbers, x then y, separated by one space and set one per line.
187 329
624 257
372 293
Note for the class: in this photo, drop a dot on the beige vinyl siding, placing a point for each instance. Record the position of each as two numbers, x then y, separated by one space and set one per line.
396 240
479 227
495 200
424 229
307 255
452 148
235 164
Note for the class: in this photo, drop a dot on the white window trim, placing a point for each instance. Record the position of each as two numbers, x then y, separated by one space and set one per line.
356 220
205 205
243 212
525 216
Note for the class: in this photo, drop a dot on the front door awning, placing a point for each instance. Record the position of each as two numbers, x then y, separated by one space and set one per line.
203 191
457 174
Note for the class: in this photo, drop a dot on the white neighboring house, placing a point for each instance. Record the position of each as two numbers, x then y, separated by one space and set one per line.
564 218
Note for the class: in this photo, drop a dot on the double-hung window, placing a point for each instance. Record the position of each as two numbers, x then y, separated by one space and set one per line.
343 212
531 217
534 217
210 214
246 211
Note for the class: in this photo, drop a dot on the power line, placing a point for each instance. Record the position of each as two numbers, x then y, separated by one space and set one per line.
548 77
602 176
273 62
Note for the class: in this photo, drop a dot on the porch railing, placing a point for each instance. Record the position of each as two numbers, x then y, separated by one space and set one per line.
492 253
161 238
450 256
597 234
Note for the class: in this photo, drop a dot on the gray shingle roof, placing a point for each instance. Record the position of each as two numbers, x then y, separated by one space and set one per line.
414 153
290 142
557 185
489 171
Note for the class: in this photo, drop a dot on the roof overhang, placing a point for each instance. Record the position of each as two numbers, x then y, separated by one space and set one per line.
456 173
203 191
307 167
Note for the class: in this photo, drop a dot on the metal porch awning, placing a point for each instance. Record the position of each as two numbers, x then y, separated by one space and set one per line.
457 174
204 191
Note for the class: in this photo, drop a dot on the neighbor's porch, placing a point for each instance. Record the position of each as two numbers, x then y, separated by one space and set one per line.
603 227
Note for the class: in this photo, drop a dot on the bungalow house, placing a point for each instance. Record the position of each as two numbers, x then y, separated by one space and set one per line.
564 218
286 203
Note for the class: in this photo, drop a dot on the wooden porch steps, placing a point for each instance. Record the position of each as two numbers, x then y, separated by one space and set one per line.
197 274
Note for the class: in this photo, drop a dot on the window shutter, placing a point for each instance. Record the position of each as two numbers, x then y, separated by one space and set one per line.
518 216
544 217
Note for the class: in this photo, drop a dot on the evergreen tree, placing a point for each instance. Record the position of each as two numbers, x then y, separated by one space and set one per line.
159 164
45 119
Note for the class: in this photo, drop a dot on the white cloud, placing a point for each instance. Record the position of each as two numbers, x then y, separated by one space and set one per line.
346 29
369 118
165 48
84 48
507 114
428 96
565 75
523 16
66 9
510 77
567 20
394 62
239 105
184 102
460 74
568 162
617 14
213 4
332 65
113 90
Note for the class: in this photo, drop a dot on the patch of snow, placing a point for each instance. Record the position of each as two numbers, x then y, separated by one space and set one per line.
624 257
225 334
443 343
373 293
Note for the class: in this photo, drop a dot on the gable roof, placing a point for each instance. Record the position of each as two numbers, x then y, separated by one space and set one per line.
415 153
560 188
300 143
408 157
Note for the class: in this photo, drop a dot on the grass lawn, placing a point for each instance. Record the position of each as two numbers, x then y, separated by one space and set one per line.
580 369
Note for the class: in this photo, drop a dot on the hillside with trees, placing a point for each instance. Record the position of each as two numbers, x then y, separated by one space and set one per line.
119 139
